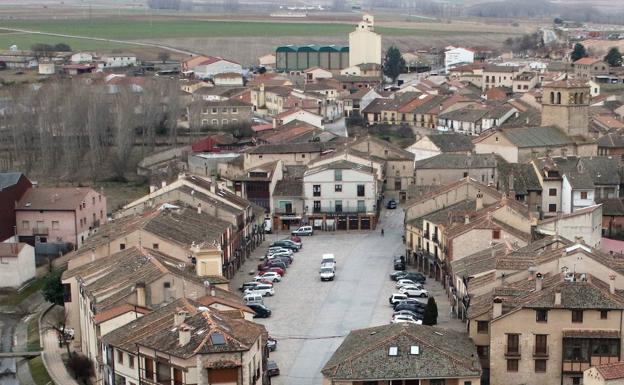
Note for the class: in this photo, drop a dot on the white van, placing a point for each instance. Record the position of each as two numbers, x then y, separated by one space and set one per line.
253 298
268 225
327 272
328 259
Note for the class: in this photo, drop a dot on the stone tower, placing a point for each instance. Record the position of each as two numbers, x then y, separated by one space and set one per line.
565 104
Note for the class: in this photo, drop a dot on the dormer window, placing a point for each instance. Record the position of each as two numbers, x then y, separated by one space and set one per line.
414 350
393 351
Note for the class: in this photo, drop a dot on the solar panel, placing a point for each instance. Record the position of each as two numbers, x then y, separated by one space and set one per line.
217 339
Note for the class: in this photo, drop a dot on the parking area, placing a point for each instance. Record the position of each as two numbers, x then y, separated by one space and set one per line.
310 318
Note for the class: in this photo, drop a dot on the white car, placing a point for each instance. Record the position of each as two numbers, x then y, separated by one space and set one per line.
406 282
269 276
414 291
327 273
405 319
274 250
264 290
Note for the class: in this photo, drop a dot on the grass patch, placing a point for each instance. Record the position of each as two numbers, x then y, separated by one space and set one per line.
133 29
38 371
33 342
17 296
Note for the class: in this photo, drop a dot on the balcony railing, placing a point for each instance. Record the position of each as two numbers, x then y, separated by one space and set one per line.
285 212
40 230
426 234
434 238
540 351
512 350
340 211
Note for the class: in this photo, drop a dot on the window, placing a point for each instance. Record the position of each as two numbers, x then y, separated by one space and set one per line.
483 351
540 366
316 190
541 315
67 292
163 373
467 382
495 234
215 121
552 208
512 365
93 200
119 357
317 206
155 246
583 194
361 206
577 316
234 121
122 246
149 368
55 225
576 380
482 327
552 192
393 351
338 175
204 122
25 225
214 110
224 122
131 361
177 376
234 110
541 344
338 206
513 344
604 314
465 174
360 190
338 188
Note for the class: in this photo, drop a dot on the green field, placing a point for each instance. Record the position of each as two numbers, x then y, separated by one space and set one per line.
134 29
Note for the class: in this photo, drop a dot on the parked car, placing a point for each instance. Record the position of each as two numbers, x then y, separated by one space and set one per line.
405 319
261 310
290 240
284 258
414 276
391 204
251 298
408 313
404 305
272 369
268 276
415 303
272 263
328 259
406 282
251 285
399 263
279 250
271 344
287 244
327 273
414 291
295 238
263 289
396 297
277 270
304 230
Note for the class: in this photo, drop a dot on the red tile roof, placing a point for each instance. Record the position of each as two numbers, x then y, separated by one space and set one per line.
611 371
117 311
587 61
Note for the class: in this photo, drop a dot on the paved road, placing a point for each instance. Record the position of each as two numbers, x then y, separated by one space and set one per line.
310 318
52 354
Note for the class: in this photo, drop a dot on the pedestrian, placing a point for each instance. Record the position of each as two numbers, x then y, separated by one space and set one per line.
382 232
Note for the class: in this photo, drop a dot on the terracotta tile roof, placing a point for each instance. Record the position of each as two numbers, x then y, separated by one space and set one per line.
117 311
613 371
53 198
587 61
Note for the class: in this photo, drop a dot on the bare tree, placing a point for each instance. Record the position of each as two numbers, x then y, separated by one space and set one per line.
124 124
57 321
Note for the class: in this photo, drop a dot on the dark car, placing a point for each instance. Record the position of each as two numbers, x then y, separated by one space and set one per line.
399 263
271 344
272 263
249 285
260 310
412 302
391 204
287 244
272 369
409 306
414 276
284 258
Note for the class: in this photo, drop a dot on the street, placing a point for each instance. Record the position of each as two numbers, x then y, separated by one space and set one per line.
311 318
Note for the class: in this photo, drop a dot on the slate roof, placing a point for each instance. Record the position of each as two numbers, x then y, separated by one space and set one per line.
603 169
497 68
288 148
536 136
8 179
612 140
443 353
522 176
157 331
459 161
452 142
611 206
467 114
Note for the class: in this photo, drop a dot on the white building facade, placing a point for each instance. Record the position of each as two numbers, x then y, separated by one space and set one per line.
364 43
17 264
457 55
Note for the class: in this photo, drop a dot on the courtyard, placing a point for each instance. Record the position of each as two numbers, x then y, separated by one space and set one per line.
310 318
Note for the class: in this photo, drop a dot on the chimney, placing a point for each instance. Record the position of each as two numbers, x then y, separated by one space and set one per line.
179 317
213 186
274 123
612 283
213 292
539 280
152 188
163 184
199 211
184 332
557 298
467 220
479 205
140 294
497 307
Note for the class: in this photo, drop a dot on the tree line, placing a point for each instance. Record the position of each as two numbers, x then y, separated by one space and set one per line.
68 127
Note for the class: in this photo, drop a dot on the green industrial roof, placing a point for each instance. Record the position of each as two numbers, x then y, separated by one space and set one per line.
312 48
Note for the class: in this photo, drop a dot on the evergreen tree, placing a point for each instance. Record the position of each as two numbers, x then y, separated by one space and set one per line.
53 288
614 57
578 52
393 63
430 317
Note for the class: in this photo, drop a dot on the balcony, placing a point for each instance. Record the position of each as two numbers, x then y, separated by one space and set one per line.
287 212
512 350
336 211
40 230
540 351
434 238
426 234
